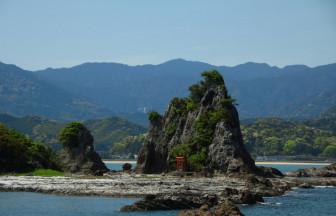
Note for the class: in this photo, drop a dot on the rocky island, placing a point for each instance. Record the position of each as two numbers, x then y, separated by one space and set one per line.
203 129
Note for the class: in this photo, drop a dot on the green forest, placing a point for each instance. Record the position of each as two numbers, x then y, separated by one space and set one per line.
115 137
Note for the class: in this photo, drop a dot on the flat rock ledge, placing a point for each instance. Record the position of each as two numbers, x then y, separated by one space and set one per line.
166 192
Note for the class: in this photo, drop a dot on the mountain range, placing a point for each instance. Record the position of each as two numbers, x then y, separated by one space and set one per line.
94 90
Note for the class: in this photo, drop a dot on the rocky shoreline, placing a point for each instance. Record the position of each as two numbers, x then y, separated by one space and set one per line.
165 191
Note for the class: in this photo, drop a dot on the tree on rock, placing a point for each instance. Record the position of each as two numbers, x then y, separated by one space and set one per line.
203 128
78 155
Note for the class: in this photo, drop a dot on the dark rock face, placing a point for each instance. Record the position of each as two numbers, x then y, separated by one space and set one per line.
211 126
270 172
327 171
171 202
241 197
225 208
81 158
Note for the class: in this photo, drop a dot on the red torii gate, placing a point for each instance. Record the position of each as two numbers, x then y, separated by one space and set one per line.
180 163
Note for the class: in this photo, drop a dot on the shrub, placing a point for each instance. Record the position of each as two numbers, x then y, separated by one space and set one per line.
127 167
170 129
196 92
191 105
211 78
198 160
153 116
69 136
183 150
330 151
19 153
179 105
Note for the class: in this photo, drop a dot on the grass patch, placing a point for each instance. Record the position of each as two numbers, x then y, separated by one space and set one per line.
41 172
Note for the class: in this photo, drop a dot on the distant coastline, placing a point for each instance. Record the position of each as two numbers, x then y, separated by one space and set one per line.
118 161
291 163
257 162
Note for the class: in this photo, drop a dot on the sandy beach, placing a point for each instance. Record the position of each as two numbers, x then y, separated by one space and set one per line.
119 161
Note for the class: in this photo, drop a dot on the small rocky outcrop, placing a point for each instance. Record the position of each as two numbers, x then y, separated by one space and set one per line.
226 208
173 201
241 196
327 171
78 155
204 128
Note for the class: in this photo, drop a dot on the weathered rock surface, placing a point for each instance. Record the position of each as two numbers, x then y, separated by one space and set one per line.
184 200
180 124
326 171
81 158
226 208
165 192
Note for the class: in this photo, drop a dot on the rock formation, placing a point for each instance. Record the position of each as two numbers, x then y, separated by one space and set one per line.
326 171
78 155
204 128
172 201
225 208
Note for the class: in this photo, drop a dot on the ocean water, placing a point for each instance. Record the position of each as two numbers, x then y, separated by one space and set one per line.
285 168
300 202
117 166
281 167
319 201
36 204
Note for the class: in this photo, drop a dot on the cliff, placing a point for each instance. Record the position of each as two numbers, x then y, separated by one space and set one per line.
204 128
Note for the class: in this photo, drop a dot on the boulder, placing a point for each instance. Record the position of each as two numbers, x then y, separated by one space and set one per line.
326 171
182 200
241 196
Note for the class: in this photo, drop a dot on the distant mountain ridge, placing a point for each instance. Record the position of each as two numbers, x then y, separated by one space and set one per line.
24 93
107 89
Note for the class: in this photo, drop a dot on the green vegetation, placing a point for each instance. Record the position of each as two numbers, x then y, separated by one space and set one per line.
107 132
212 79
153 116
181 150
69 136
128 146
195 150
273 136
42 172
19 153
170 129
179 105
330 150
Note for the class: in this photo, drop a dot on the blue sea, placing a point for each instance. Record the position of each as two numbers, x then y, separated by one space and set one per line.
319 201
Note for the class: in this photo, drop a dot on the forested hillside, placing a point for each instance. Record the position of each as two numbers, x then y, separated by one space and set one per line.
273 136
261 90
23 93
97 90
19 153
107 132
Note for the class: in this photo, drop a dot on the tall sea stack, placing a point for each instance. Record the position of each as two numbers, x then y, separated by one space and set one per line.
203 128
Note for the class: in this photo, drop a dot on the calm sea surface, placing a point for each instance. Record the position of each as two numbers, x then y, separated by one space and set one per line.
301 202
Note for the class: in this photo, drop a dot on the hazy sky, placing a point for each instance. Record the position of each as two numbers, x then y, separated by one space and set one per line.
36 34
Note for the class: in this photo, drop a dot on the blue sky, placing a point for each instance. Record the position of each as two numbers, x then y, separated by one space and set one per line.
37 34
